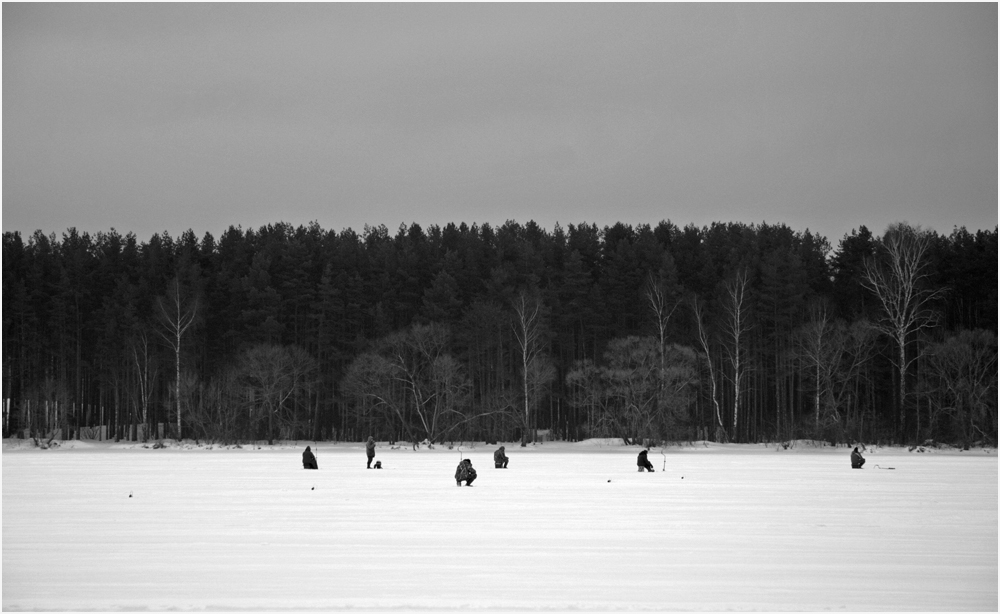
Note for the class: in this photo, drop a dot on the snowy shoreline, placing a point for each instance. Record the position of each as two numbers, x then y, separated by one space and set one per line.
609 444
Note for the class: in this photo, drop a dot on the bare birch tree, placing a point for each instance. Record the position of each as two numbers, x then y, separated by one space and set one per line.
176 317
735 327
699 318
145 376
814 343
528 331
663 307
897 276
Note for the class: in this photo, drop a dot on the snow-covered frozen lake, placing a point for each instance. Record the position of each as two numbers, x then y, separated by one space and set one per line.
566 527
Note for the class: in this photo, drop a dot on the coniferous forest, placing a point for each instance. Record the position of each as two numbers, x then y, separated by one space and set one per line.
731 332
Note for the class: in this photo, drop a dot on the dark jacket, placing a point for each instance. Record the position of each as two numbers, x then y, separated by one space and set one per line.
856 459
370 447
465 472
643 461
499 456
308 460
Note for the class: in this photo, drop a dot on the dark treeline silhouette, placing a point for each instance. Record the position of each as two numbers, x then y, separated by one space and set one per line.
730 332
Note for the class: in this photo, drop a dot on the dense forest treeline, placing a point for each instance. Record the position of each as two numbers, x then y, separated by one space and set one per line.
730 332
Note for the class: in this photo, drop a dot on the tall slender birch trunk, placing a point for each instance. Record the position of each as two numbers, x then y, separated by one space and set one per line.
176 318
527 330
703 341
737 325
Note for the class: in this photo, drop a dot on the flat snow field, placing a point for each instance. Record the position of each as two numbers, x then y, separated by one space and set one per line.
566 527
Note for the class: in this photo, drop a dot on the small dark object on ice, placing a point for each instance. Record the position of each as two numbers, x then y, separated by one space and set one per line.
313 488
609 480
130 494
378 464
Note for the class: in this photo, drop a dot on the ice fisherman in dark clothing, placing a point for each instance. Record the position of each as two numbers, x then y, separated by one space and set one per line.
857 461
643 462
370 450
500 459
465 473
308 460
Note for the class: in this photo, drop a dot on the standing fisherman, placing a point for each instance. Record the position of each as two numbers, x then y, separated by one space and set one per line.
370 450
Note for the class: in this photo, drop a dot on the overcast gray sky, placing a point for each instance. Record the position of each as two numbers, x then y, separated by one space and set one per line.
152 117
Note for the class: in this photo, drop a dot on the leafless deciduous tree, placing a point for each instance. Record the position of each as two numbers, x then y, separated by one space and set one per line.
835 354
663 304
278 378
412 376
699 318
815 349
638 392
145 375
735 327
527 326
678 383
177 314
897 276
962 383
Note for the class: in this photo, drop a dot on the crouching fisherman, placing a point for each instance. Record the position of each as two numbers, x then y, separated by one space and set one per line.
308 460
465 473
643 462
857 461
500 459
